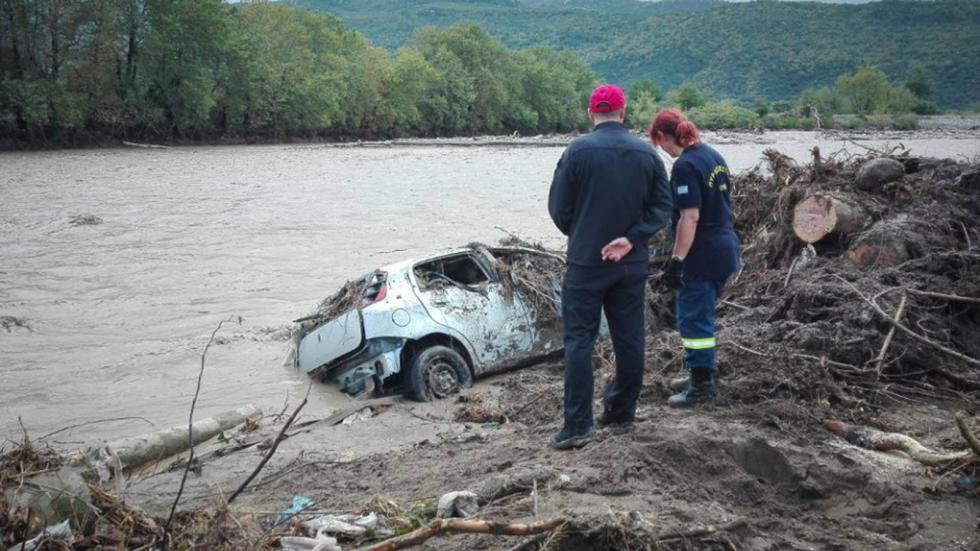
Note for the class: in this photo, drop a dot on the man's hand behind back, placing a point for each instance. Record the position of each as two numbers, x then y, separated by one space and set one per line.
616 249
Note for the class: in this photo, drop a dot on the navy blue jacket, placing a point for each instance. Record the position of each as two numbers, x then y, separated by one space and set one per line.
609 184
701 180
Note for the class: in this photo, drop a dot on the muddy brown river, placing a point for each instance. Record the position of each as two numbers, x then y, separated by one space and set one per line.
116 313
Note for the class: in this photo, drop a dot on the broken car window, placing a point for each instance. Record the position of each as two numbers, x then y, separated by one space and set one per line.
460 271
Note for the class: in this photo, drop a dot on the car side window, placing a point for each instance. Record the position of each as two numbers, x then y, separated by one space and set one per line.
459 271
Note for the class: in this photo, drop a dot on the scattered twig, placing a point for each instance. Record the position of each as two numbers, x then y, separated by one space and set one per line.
190 431
826 361
338 416
744 348
272 450
966 234
968 435
534 492
529 403
508 232
931 294
789 273
465 526
879 361
735 305
110 420
884 315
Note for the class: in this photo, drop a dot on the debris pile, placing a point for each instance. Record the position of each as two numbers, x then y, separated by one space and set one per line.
861 280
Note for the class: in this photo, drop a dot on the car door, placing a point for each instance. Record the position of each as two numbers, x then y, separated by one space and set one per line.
459 292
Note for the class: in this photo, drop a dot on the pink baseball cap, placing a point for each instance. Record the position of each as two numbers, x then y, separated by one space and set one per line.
605 98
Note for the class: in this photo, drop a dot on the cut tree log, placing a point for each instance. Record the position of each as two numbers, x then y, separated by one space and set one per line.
889 242
819 216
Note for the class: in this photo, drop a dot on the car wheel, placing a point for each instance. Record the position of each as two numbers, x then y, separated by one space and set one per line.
437 372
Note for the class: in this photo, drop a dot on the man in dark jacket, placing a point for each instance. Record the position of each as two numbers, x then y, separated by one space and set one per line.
609 195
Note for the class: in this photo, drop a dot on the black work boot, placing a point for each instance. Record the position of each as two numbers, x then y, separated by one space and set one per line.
606 421
566 439
679 383
700 388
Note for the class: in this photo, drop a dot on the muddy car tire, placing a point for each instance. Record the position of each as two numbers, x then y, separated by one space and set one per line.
437 372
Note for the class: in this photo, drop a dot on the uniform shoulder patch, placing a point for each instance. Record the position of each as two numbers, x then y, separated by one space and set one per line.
715 174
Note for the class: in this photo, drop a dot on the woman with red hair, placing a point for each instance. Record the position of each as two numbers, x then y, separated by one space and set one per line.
706 250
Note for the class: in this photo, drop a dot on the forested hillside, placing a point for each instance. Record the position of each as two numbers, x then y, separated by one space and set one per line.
738 50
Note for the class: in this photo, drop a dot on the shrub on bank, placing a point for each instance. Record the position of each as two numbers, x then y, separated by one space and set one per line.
783 121
905 121
723 114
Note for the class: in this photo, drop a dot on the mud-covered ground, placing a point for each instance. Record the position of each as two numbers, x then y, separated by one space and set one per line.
769 464
800 346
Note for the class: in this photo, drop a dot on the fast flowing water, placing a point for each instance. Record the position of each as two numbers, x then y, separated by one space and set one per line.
118 313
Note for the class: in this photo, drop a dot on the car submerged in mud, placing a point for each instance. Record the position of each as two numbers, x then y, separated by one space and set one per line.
428 327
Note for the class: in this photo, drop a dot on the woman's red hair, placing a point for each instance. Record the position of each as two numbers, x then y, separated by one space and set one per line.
671 122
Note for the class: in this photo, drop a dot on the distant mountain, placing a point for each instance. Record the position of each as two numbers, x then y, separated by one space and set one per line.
740 50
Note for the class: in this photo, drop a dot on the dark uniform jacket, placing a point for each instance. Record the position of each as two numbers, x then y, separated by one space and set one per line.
700 180
609 184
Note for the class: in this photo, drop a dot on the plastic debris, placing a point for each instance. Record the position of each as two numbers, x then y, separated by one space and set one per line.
458 504
965 483
300 504
335 525
61 531
319 543
368 521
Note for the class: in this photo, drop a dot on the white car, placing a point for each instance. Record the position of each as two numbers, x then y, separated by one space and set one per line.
428 327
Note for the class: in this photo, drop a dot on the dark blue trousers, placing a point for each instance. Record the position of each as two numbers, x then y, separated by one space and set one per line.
620 290
696 322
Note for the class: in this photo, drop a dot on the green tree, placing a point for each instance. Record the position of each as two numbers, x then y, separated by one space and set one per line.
641 103
688 97
866 91
412 79
919 81
818 101
642 89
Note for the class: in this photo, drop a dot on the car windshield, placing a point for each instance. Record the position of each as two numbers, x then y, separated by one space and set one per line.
461 271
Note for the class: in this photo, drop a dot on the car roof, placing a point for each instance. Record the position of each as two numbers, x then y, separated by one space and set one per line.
407 264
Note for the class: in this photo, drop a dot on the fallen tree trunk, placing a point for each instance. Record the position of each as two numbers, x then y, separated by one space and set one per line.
820 216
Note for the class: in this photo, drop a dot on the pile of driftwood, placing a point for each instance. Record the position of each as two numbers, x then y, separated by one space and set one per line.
861 280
